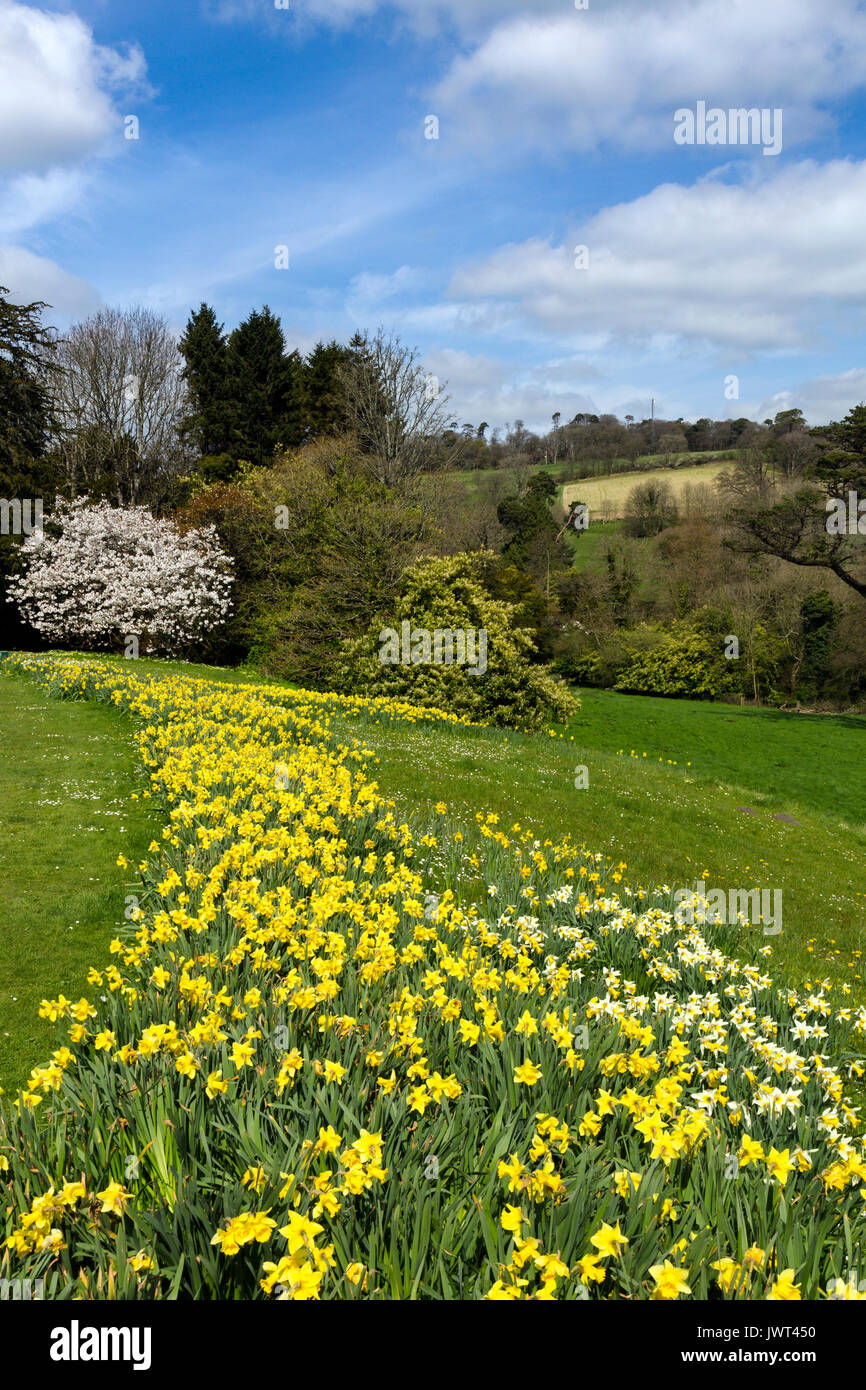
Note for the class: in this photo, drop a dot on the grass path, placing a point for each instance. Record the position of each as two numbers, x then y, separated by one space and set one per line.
65 780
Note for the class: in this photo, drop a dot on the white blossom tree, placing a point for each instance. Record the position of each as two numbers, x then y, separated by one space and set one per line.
99 576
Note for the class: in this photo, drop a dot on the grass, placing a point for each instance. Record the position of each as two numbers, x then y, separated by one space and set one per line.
790 762
65 780
196 1112
589 547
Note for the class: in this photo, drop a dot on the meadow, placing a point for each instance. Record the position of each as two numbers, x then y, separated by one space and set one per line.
606 496
392 1019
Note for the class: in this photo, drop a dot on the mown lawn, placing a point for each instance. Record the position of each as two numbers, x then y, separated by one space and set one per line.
814 762
66 777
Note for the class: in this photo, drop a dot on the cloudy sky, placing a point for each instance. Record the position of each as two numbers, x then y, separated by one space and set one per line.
553 248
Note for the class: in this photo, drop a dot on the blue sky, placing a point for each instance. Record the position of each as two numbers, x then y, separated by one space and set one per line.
305 127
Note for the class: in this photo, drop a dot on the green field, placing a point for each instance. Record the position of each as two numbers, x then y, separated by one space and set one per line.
703 798
589 547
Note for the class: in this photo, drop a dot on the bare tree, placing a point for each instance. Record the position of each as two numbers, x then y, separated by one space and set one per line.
750 481
396 409
118 400
672 442
650 508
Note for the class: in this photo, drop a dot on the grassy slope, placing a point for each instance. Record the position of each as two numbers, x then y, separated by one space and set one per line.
670 822
665 828
809 761
589 547
65 781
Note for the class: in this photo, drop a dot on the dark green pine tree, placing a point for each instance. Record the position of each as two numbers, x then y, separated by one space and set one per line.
843 468
25 350
267 386
210 423
27 473
324 410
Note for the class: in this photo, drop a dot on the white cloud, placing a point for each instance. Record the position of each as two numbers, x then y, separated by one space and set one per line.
483 388
368 291
57 111
31 277
615 74
548 75
424 16
821 399
30 199
732 267
56 106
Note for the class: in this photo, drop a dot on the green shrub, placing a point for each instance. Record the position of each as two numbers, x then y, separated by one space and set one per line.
688 663
447 594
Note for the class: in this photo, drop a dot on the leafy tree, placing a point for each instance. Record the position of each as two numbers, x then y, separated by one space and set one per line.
26 472
795 528
622 581
26 353
689 663
533 611
819 616
532 533
787 420
447 595
319 548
